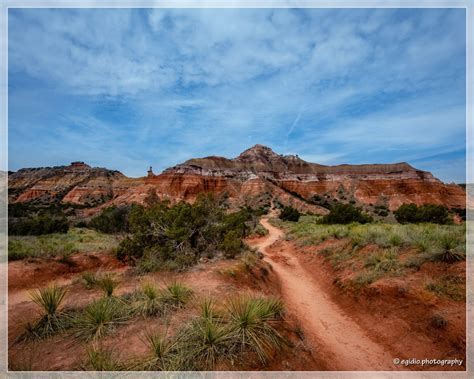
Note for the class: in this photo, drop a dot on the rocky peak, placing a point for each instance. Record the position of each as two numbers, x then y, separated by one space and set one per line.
257 151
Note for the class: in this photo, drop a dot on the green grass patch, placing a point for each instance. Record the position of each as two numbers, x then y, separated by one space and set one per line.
53 245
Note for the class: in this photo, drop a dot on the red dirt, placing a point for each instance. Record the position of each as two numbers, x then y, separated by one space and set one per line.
363 331
207 279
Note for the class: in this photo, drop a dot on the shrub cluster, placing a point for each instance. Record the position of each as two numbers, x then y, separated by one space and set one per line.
112 220
411 213
176 236
345 214
289 214
38 225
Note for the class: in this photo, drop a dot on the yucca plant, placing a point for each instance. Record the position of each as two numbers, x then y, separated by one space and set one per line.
448 242
175 295
164 353
108 284
89 279
49 299
205 342
249 322
149 302
99 318
101 360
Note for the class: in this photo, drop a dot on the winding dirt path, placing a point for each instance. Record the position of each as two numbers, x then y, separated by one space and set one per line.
332 335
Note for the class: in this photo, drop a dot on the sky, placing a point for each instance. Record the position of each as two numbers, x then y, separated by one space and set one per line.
131 88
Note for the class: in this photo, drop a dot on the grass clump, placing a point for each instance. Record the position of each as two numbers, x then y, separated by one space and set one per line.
450 286
383 262
164 353
49 299
208 341
99 318
99 359
149 301
249 322
107 283
175 295
58 244
89 279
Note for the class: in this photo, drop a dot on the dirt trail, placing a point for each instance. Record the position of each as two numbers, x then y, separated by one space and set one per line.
333 336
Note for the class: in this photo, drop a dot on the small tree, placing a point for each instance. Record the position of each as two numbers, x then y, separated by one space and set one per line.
345 214
289 214
411 213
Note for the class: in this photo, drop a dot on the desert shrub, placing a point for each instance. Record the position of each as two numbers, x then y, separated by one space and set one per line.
38 225
383 262
165 354
289 214
49 299
89 279
227 336
208 341
99 359
450 286
411 213
107 283
345 214
175 237
175 295
149 303
99 318
232 244
249 319
112 220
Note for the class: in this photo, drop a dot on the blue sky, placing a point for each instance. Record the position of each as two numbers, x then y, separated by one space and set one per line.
129 88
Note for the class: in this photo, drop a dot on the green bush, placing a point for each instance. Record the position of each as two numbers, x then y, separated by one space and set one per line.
112 220
290 214
345 214
411 213
38 225
175 237
232 244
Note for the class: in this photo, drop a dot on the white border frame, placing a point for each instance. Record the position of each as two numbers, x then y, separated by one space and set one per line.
6 4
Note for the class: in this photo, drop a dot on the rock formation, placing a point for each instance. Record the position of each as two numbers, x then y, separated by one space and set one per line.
257 172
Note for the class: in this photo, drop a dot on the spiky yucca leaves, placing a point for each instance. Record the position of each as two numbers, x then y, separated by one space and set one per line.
448 243
208 310
205 342
107 283
149 301
49 299
99 318
101 360
89 279
175 295
249 319
165 353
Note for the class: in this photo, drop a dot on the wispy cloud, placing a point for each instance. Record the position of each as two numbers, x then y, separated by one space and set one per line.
127 87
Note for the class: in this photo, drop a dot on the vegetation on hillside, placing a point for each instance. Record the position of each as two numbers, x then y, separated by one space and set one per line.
420 243
411 213
53 245
112 219
345 214
221 334
176 236
289 214
38 225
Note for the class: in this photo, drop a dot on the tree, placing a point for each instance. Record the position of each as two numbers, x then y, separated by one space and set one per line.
289 214
345 214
